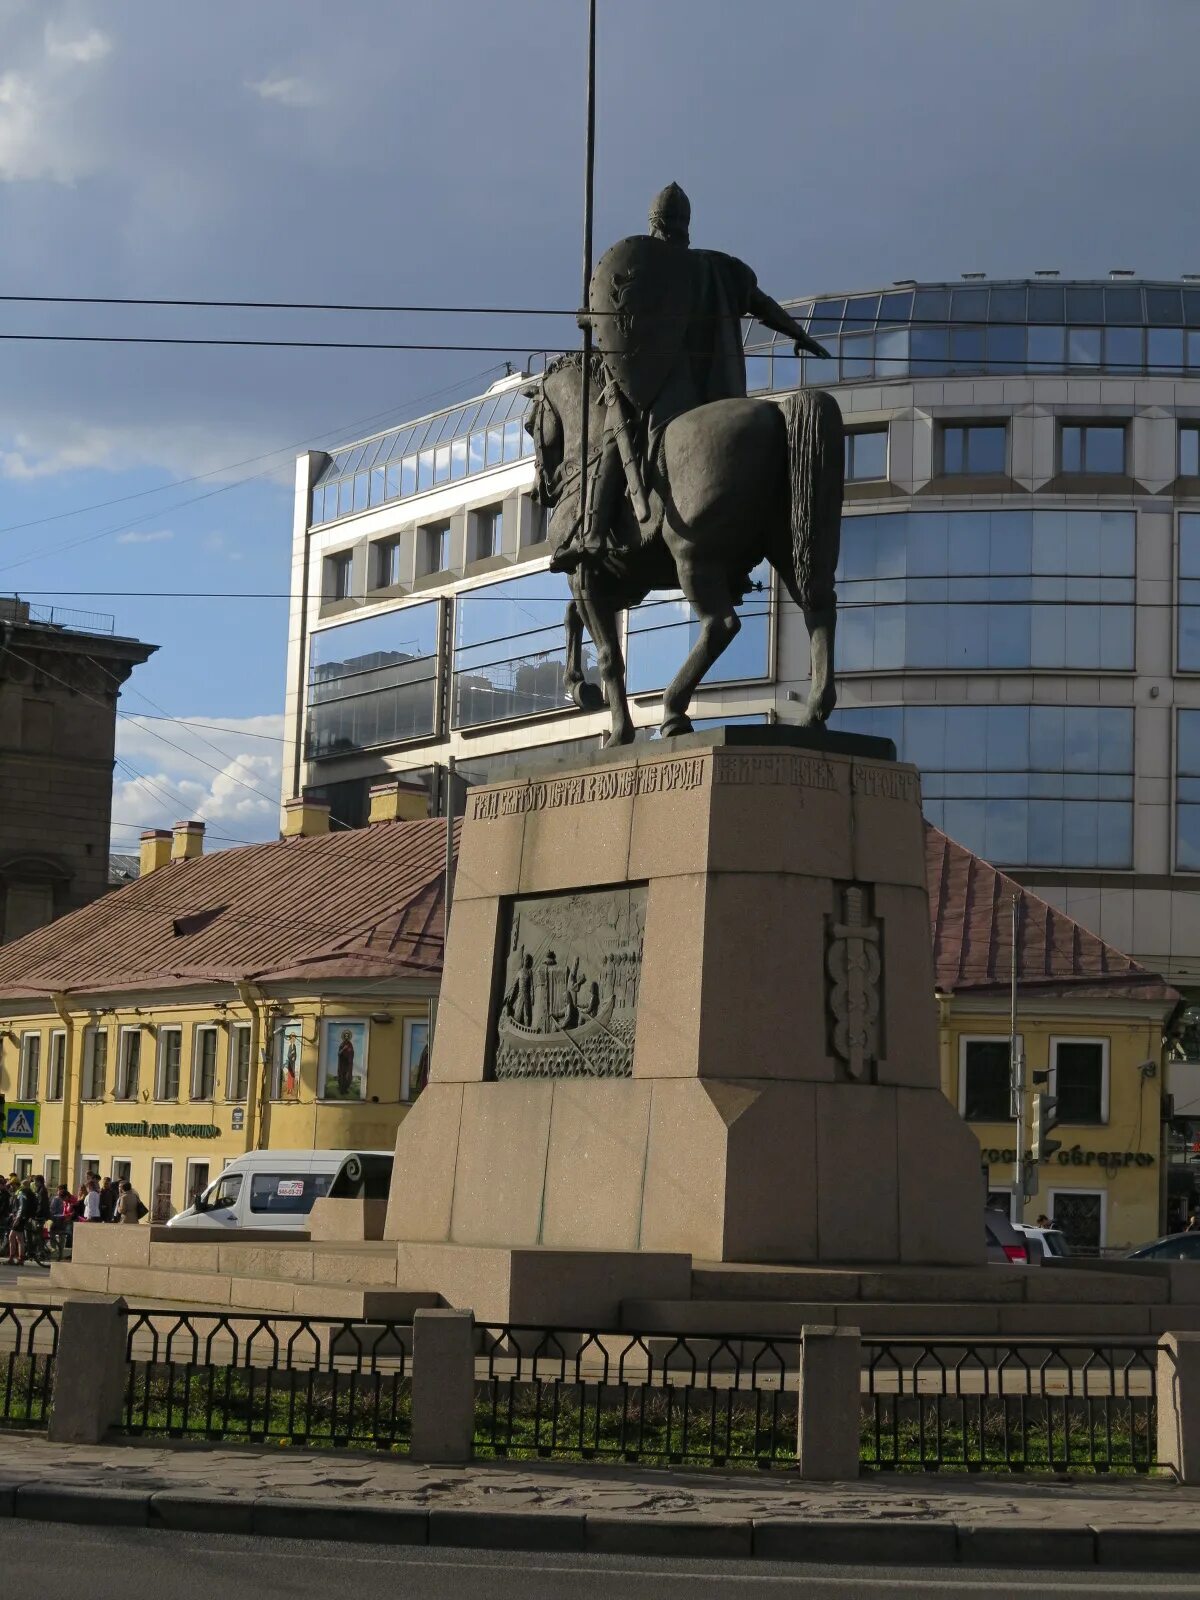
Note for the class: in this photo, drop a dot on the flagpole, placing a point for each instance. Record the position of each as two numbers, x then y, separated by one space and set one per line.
589 170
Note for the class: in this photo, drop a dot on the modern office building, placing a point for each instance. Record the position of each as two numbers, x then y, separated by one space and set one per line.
60 674
1019 589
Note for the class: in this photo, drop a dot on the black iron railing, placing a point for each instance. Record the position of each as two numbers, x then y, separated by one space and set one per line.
298 1380
28 1355
636 1397
1070 1405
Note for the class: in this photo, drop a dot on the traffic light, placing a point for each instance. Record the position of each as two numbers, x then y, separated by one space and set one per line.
1045 1117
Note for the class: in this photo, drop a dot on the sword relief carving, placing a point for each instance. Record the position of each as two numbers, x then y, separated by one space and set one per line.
854 964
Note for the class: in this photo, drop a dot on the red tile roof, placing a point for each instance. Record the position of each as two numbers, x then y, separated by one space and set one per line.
365 903
970 909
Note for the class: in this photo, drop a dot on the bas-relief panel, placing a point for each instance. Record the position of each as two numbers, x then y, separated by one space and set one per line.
573 966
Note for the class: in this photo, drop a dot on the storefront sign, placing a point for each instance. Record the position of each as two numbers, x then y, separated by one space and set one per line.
21 1122
237 1120
1111 1160
162 1130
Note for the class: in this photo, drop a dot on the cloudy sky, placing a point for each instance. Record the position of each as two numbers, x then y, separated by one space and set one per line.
401 152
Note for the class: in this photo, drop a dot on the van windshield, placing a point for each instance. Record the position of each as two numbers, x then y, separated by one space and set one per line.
287 1193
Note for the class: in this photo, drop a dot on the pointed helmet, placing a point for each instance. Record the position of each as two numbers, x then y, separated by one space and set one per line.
671 213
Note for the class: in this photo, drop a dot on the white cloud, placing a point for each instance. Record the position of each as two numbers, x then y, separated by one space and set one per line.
225 772
151 536
82 49
284 91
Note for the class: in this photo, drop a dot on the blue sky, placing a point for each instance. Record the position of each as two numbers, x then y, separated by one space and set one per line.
402 152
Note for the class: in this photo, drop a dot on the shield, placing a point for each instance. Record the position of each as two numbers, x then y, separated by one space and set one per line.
641 297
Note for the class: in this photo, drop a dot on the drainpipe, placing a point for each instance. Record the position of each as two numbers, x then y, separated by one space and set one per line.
256 1089
69 1143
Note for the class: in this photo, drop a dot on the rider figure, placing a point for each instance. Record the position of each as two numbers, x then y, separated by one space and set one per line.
711 366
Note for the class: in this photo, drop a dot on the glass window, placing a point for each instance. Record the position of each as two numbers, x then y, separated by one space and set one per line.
169 1046
1123 305
1092 447
1005 348
31 1066
1083 347
434 548
338 579
1085 304
129 1065
238 1083
1046 347
1164 349
662 630
1187 791
487 532
975 448
969 305
1164 307
1046 303
286 1193
510 649
1020 785
896 307
414 1071
1078 1080
929 351
95 1063
986 1092
1123 349
58 1066
966 349
387 563
931 305
1007 305
204 1067
374 681
224 1193
866 455
1189 451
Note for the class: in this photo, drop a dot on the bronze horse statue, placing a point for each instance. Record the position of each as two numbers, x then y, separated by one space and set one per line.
728 483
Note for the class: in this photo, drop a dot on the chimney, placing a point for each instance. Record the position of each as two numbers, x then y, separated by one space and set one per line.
188 841
398 801
304 818
155 850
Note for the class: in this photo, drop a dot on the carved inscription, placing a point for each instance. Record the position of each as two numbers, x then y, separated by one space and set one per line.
886 782
660 777
790 767
573 967
854 963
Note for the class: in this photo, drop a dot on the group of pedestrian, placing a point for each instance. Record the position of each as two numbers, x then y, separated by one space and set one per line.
29 1212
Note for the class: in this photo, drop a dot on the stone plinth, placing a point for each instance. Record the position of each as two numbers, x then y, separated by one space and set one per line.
756 984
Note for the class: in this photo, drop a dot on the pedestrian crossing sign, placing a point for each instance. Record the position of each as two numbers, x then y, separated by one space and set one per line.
21 1123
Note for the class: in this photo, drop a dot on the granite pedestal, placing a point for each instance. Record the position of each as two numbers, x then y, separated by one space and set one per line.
731 1054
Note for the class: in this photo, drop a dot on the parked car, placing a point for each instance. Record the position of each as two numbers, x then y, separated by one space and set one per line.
1174 1247
1052 1240
278 1188
1003 1241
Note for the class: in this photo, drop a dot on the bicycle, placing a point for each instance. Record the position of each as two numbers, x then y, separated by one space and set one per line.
37 1248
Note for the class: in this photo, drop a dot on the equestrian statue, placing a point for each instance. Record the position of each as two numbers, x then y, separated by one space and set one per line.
690 484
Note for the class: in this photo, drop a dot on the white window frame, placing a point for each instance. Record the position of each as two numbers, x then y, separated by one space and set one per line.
23 1091
407 1063
52 1161
86 1163
1082 1038
160 1062
198 1033
58 1039
238 1030
120 1161
493 512
23 1167
965 1039
88 1085
1081 1188
189 1185
156 1164
121 1085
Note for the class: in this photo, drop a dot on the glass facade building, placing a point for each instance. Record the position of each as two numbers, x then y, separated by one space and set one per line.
1019 589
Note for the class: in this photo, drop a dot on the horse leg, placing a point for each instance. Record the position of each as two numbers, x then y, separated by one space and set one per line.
822 694
601 619
584 694
706 588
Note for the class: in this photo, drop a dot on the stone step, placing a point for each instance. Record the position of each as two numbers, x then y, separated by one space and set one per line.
990 1285
914 1319
208 1290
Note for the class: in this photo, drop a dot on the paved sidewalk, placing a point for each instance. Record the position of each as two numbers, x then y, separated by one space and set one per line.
629 1510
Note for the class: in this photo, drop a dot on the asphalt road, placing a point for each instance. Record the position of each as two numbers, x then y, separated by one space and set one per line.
42 1559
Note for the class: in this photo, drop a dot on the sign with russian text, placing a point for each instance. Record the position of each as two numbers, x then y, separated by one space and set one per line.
162 1130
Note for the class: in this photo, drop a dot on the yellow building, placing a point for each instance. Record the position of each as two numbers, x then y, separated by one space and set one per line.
277 996
1088 1018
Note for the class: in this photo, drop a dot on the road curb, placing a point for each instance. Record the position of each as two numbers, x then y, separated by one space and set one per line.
880 1541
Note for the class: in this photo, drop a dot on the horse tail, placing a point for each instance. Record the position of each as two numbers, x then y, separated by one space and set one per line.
816 470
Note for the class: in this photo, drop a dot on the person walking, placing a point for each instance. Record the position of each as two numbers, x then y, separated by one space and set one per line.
129 1204
18 1218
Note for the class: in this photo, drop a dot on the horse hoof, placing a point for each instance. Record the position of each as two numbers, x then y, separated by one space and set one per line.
588 696
675 725
618 737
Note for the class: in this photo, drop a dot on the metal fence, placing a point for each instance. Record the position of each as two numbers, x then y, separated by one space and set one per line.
986 1405
69 617
636 1397
28 1356
287 1379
